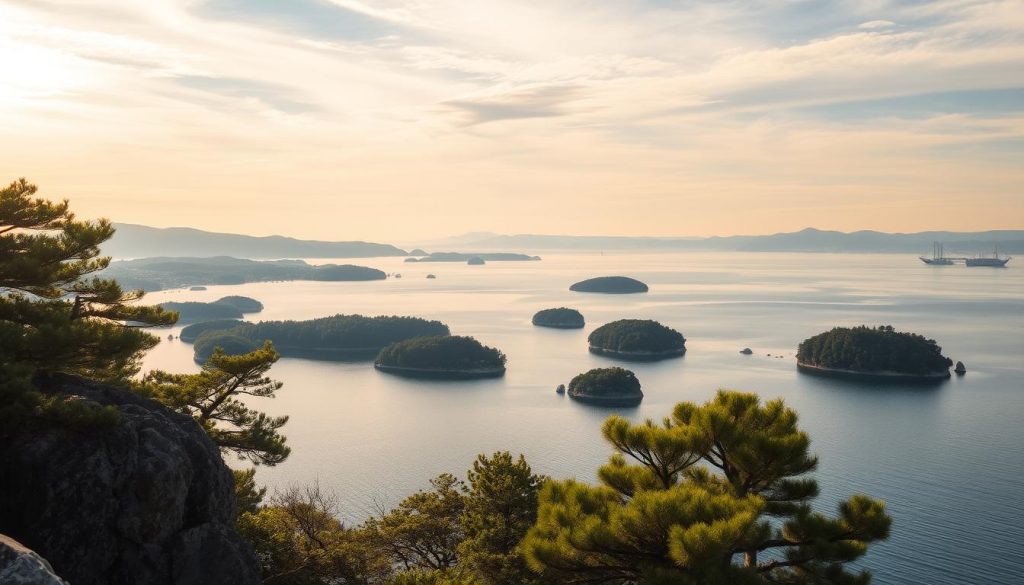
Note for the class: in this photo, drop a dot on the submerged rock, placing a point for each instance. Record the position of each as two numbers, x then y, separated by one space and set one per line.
746 351
145 500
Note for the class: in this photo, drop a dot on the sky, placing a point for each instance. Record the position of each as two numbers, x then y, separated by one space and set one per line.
390 120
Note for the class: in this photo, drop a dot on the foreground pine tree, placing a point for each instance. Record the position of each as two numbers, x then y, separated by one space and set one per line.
54 316
213 398
714 495
500 507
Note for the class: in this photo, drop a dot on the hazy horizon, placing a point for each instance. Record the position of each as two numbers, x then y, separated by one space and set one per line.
471 235
391 120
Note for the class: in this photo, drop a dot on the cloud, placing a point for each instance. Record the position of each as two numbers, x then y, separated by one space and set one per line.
876 24
541 102
370 101
278 97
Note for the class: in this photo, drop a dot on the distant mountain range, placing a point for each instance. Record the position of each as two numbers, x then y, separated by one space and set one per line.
807 240
139 241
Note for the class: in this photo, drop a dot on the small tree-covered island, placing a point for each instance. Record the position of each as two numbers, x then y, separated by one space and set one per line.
606 387
340 337
442 357
876 352
613 285
560 318
637 340
231 307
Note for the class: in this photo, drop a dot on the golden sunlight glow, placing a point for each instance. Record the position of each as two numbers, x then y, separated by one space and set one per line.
387 119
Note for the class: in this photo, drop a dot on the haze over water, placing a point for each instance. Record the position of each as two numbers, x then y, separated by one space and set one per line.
947 459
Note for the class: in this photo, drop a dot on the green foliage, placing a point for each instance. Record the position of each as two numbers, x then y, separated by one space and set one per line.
637 335
500 507
343 331
213 398
450 534
299 541
424 531
561 317
243 304
339 335
225 308
190 333
230 344
165 273
54 317
248 496
195 311
605 382
441 353
873 349
707 492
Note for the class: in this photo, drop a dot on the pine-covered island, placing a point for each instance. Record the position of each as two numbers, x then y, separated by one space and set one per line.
339 337
606 387
441 357
230 307
875 352
637 340
612 285
560 318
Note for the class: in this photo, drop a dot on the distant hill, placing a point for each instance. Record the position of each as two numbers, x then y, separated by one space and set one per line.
807 240
139 241
161 273
466 256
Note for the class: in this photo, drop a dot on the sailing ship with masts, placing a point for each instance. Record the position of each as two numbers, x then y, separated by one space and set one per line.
939 258
994 260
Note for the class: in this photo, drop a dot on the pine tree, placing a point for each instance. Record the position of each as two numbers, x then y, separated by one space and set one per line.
211 397
423 532
248 496
500 507
54 317
715 495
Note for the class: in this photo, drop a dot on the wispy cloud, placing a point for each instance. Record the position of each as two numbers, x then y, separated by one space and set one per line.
541 102
401 107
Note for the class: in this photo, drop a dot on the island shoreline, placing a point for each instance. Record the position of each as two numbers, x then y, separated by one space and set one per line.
441 374
638 356
883 376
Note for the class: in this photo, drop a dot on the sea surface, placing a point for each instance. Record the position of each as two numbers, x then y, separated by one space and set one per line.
947 459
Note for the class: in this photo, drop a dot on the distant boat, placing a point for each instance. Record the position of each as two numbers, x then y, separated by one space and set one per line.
938 258
993 261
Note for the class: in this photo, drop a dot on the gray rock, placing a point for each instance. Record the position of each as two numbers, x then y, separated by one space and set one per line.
148 500
20 566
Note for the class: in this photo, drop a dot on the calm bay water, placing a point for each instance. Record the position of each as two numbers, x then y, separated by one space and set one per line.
947 459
